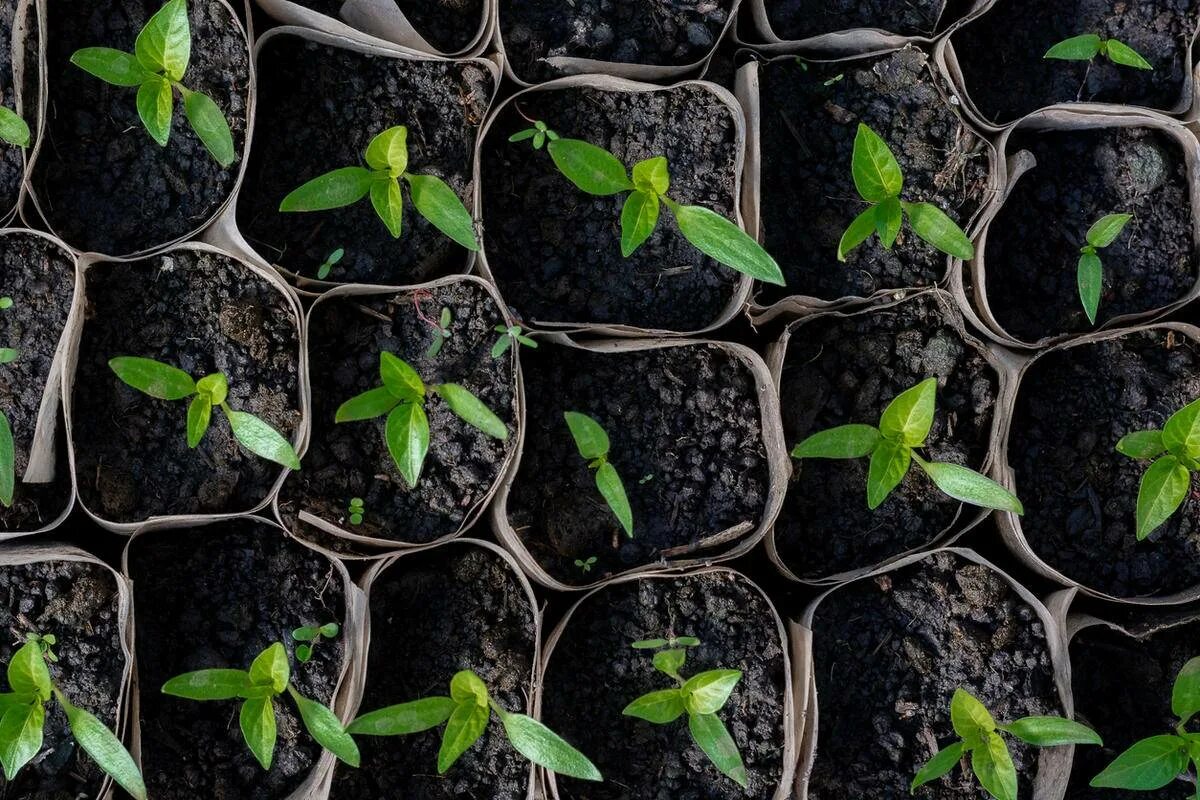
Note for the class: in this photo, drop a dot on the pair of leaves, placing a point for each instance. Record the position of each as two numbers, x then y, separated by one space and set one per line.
1087 46
310 636
593 444
1176 450
13 129
1090 272
508 335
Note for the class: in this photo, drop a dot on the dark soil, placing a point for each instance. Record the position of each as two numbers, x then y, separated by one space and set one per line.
77 603
448 25
202 313
684 425
594 673
1006 81
564 264
1080 494
839 371
1033 244
436 613
216 597
800 19
102 182
40 279
889 653
12 164
352 460
810 116
322 106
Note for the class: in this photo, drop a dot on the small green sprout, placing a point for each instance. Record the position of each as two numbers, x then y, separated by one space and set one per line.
402 398
8 450
701 697
598 172
46 643
13 129
645 479
1087 46
508 335
979 736
310 636
593 445
586 566
441 332
466 714
329 263
904 427
670 641
357 509
164 382
387 166
1166 483
1090 272
268 678
157 66
24 719
879 181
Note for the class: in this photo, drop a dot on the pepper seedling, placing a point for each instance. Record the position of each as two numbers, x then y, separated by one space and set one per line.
441 332
466 714
8 449
1090 272
598 172
904 427
23 721
329 263
387 166
357 509
593 445
402 398
165 382
701 697
13 129
585 566
1174 453
1087 46
268 678
508 335
310 636
991 762
879 181
157 65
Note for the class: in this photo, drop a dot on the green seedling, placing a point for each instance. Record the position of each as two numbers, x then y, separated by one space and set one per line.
671 641
402 399
441 332
310 636
1174 453
45 643
8 449
267 679
904 427
508 335
991 762
700 697
466 714
1087 46
598 172
164 382
387 167
156 66
585 566
13 129
1090 272
329 263
357 509
23 721
879 181
593 445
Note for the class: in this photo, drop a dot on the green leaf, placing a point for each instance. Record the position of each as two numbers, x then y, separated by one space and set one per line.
546 748
407 437
463 729
931 224
27 673
111 66
257 719
593 169
389 204
1142 444
8 355
859 231
8 462
215 386
20 736
1149 764
324 727
589 437
942 762
669 662
389 151
1089 275
368 405
159 380
1077 48
969 486
649 644
709 733
467 687
720 239
165 44
708 691
438 203
889 464
844 441
270 668
613 492
155 105
336 189
521 136
198 418
639 217
1163 489
1123 54
400 379
13 129
208 684
330 629
1052 731
876 172
888 216
908 418
660 707
413 717
261 439
969 716
105 749
1185 694
993 766
471 410
652 176
210 125
1181 434
1106 230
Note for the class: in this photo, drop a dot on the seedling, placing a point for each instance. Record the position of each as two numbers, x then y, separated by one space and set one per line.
466 714
268 678
879 181
8 450
671 641
24 720
441 332
310 636
164 382
979 736
586 566
357 509
1087 46
45 643
157 66
402 398
904 427
387 166
593 445
329 263
13 129
508 335
1174 453
701 697
1090 273
597 171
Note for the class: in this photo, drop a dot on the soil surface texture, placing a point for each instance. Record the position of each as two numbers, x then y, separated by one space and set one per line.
800 19
448 25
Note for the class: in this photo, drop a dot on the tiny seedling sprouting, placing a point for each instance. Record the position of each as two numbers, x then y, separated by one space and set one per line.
1087 46
991 762
1090 272
539 133
585 565
13 129
904 427
164 382
466 714
310 636
700 696
46 642
387 166
441 332
8 450
156 66
593 445
508 335
329 263
879 181
268 678
402 399
1174 453
357 510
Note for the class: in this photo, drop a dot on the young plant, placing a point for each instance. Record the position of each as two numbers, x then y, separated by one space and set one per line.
1174 453
268 678
701 697
13 129
904 427
593 445
441 332
879 181
357 509
23 718
310 636
8 450
164 382
597 171
329 263
402 398
1087 46
387 167
466 714
508 335
157 66
585 566
979 736
1090 272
